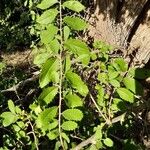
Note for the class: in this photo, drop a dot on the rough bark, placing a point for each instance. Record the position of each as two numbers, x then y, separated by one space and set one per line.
124 24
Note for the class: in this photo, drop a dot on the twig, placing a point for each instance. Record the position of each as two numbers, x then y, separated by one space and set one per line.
110 102
92 140
100 112
20 84
61 74
33 132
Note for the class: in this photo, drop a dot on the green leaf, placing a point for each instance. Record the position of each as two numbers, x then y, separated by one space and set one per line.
112 74
79 48
73 114
41 58
64 135
98 133
120 64
8 118
77 83
102 46
48 70
53 125
69 125
48 16
133 85
52 135
100 95
75 23
66 32
46 4
48 94
73 100
11 106
45 117
139 73
103 77
115 83
48 35
126 95
108 142
74 5
67 63
54 46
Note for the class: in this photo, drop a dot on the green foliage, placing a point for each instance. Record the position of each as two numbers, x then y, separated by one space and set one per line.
73 100
74 5
77 83
72 114
45 117
75 23
69 125
108 142
125 94
8 118
82 87
46 4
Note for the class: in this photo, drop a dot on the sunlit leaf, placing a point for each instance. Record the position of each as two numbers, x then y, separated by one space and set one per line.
74 5
8 118
133 85
48 35
69 125
75 23
46 4
73 100
120 64
53 134
45 117
126 95
48 16
108 142
73 114
77 83
80 48
48 69
48 94
11 106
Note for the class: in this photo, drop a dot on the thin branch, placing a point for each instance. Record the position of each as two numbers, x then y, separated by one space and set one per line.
100 112
61 74
92 140
33 132
20 84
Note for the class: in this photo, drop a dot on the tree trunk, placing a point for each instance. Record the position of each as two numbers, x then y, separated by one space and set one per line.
124 24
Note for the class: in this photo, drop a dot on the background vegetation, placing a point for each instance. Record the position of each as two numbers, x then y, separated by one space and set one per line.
77 93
